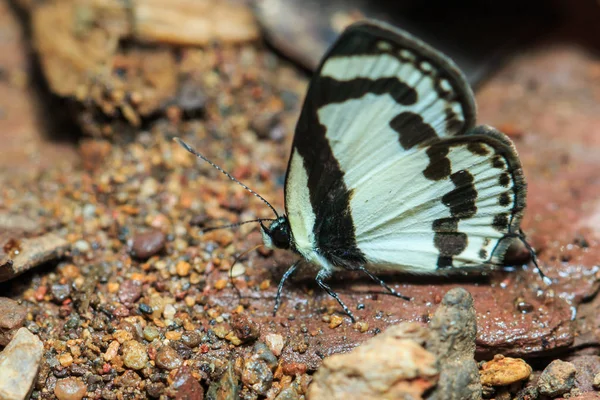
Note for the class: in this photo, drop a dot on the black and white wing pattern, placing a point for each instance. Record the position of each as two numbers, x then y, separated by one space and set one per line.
388 169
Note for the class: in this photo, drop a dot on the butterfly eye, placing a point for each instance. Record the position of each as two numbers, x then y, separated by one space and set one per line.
280 237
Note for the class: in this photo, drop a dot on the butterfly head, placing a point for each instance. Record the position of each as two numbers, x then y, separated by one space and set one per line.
278 234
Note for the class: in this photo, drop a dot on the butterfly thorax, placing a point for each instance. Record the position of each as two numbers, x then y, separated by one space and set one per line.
278 234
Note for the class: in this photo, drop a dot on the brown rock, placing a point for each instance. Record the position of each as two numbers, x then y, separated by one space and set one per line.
452 340
168 358
245 328
12 317
70 389
130 292
390 365
19 365
558 378
185 386
147 244
503 371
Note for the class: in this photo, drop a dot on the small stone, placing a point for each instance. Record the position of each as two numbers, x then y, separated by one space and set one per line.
147 244
183 268
221 284
129 292
154 390
502 371
237 270
597 381
70 389
191 339
12 317
335 321
294 368
257 376
558 378
112 350
169 312
275 343
19 365
60 292
82 246
185 386
135 355
245 328
167 358
65 359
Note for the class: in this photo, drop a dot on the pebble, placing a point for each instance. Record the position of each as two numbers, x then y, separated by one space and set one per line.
186 386
70 389
245 328
183 268
82 246
167 358
558 378
60 292
191 339
335 321
597 381
147 244
20 362
502 371
129 292
135 355
257 376
275 343
12 317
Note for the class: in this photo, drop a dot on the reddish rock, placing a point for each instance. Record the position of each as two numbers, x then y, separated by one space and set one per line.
130 292
70 389
245 328
185 386
147 244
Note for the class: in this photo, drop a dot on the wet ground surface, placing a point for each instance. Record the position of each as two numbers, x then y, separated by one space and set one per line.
104 195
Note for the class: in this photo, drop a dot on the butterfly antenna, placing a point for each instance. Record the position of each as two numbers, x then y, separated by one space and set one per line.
235 262
212 228
194 152
523 239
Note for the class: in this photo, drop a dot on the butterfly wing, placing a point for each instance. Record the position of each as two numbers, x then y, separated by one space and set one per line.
387 168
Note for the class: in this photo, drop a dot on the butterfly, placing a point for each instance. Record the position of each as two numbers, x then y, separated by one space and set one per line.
389 172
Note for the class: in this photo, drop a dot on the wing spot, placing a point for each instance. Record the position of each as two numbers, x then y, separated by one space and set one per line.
477 148
384 46
406 55
498 162
426 67
500 222
461 199
483 254
439 164
504 199
504 179
411 129
445 85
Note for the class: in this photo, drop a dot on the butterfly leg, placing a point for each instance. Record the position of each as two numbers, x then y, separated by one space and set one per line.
544 277
320 281
285 276
382 283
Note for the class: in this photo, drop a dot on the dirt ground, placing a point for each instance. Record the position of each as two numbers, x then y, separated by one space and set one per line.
119 216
